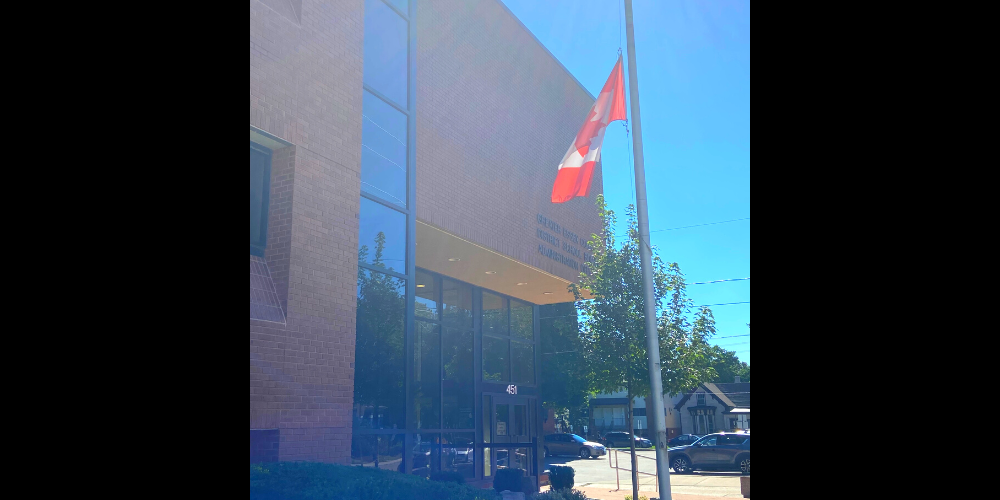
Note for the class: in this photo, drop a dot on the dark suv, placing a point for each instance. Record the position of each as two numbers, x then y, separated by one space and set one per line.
620 440
722 451
683 440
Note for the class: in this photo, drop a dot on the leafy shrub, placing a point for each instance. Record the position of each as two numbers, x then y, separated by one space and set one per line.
448 477
562 477
307 481
641 497
560 495
508 479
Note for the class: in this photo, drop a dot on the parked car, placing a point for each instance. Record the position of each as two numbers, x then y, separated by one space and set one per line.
620 440
462 452
683 440
721 451
571 444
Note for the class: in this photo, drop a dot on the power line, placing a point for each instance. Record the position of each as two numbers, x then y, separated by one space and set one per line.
726 304
733 345
720 281
689 227
734 336
699 225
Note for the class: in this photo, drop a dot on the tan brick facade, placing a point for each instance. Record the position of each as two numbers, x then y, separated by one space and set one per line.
495 115
305 88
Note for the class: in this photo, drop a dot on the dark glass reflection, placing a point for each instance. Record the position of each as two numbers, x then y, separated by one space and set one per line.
427 295
385 51
379 367
382 236
457 303
459 388
495 362
522 320
383 451
426 454
458 453
522 363
259 183
494 314
487 417
502 424
427 376
383 150
520 424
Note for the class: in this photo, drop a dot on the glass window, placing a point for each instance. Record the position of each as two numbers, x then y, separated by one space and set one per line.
379 355
459 388
383 451
487 414
383 150
385 51
458 454
495 354
494 314
457 303
522 363
709 441
701 400
520 459
487 463
260 187
427 376
522 323
426 455
502 420
520 424
427 295
382 236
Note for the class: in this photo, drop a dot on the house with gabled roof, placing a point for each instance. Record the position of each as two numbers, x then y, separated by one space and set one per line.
715 407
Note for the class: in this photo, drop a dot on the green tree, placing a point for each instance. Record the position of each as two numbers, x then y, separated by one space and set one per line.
726 364
610 300
379 353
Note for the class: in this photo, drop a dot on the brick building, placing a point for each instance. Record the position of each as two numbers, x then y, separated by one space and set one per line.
402 154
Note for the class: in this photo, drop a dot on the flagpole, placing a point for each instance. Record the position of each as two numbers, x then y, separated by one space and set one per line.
646 254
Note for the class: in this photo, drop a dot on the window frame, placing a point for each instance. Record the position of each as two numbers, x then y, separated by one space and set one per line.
265 199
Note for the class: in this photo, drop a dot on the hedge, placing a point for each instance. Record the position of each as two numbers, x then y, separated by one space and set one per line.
560 495
562 477
313 481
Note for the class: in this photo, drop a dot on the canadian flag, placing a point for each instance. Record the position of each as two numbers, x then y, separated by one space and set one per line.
577 167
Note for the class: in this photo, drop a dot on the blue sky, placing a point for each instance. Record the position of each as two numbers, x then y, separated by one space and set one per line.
694 84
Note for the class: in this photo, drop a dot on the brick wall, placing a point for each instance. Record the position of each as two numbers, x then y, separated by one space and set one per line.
495 115
305 88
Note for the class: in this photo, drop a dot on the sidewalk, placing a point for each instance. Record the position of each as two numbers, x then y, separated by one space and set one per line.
605 494
610 494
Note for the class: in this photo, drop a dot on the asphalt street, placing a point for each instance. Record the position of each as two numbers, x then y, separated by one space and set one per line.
598 473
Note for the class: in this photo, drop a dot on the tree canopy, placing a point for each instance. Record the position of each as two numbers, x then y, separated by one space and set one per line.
612 319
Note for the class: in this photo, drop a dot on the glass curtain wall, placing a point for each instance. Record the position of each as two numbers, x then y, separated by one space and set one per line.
386 247
442 387
460 378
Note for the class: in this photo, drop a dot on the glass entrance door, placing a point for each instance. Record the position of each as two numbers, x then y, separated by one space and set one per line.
514 434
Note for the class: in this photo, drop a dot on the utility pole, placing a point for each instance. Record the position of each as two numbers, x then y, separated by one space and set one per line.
659 426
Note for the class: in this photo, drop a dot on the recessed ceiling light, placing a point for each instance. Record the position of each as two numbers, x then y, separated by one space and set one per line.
421 286
454 259
521 284
491 272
